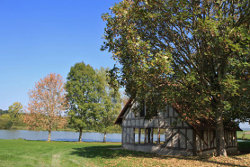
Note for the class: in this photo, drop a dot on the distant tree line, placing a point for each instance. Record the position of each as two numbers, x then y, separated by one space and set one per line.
84 102
12 116
3 112
92 102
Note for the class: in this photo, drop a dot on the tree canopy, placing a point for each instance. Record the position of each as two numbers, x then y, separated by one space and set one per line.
110 103
14 110
93 103
83 89
47 103
193 54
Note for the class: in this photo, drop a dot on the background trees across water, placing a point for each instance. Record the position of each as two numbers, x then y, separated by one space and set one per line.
47 104
93 104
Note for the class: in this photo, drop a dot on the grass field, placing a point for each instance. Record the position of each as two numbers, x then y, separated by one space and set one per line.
243 135
40 153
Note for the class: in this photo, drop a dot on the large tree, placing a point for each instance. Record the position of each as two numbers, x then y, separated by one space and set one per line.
47 103
193 54
83 88
110 102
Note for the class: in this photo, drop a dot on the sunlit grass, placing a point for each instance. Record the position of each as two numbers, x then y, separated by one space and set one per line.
42 153
243 135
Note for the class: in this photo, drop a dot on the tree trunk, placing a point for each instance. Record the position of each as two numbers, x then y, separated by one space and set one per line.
80 135
104 137
159 136
220 139
49 136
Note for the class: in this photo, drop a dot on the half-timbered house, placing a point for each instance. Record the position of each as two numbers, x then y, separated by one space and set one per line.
167 134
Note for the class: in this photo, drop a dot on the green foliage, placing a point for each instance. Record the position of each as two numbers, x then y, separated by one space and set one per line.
193 53
11 117
5 121
83 91
93 103
15 110
110 103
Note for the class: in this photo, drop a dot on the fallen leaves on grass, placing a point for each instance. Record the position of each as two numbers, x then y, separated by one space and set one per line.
158 161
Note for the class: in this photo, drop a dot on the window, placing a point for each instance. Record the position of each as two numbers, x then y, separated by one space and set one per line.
149 136
136 131
139 136
159 136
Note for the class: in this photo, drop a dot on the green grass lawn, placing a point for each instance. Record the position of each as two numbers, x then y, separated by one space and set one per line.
41 153
245 136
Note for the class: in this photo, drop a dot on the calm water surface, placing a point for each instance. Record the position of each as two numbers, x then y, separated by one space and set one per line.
67 136
58 136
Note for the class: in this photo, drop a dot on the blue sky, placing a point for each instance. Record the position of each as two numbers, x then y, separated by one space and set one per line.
47 36
38 37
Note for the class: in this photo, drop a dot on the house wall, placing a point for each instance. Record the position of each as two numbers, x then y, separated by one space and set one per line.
206 141
164 134
167 134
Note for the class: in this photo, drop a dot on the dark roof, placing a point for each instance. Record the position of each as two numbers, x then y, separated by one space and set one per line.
120 116
197 124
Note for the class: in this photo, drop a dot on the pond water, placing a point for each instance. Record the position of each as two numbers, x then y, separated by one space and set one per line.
58 136
65 136
68 136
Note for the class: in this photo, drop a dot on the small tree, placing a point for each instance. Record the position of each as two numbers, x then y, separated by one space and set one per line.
5 121
82 93
14 110
47 104
111 104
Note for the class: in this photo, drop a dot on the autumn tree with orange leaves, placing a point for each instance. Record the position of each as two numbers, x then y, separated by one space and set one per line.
47 104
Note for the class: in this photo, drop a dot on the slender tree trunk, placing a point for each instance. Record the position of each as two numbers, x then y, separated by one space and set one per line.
80 135
220 139
104 137
49 136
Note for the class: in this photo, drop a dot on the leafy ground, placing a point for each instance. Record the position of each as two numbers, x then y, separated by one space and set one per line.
41 153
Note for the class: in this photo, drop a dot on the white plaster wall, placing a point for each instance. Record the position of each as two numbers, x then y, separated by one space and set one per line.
156 123
161 114
141 122
124 139
185 124
174 122
190 134
166 113
182 138
175 113
161 123
171 113
146 123
205 138
175 140
151 123
198 143
179 123
156 149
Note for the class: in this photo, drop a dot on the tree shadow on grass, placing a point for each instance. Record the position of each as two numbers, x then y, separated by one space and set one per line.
107 152
112 152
